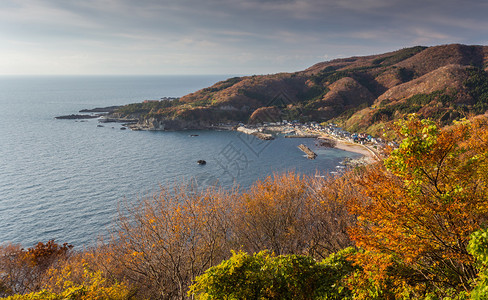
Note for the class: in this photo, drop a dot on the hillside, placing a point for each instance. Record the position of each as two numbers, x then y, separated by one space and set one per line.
360 93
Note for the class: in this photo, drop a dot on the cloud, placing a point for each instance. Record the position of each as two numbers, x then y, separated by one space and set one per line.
422 36
218 35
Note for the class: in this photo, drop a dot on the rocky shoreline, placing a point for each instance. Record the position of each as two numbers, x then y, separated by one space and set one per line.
89 113
263 132
108 109
76 117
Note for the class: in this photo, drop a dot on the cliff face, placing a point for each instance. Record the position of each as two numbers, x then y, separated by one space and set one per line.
362 93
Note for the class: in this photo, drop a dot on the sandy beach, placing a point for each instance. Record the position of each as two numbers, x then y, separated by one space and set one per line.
369 155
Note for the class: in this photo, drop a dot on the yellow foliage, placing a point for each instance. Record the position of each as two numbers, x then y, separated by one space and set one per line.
422 204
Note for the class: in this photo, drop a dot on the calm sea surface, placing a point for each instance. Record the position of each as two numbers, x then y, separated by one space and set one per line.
64 179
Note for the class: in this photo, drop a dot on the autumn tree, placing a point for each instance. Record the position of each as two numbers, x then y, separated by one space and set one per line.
327 215
24 270
93 287
165 241
292 214
12 278
420 206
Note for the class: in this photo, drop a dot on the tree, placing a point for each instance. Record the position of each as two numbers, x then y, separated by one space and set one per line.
292 214
418 209
93 287
478 247
266 276
23 271
165 241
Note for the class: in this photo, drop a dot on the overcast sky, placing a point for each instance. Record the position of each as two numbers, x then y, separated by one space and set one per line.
221 36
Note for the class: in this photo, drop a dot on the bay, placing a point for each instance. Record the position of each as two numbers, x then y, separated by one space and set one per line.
64 179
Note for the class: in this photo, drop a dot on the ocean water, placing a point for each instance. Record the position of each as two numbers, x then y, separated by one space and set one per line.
64 179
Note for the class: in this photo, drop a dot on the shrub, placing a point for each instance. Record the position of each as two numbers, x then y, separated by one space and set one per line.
266 276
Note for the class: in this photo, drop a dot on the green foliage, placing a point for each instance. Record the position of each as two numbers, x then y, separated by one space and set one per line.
320 77
412 105
399 56
478 247
222 85
312 94
146 107
338 75
367 81
202 102
255 95
266 276
340 267
349 112
417 143
405 74
296 112
330 75
477 85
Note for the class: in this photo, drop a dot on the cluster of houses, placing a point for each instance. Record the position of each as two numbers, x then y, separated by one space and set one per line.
360 138
162 99
331 129
311 128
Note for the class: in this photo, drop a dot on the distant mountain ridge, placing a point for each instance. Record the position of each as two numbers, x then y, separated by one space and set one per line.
361 93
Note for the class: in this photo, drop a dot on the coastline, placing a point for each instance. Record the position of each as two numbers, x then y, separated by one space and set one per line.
262 132
368 155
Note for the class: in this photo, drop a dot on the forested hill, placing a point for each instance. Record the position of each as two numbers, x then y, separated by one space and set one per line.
361 93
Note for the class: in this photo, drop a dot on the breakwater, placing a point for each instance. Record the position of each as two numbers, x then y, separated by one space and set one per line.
306 150
302 136
255 132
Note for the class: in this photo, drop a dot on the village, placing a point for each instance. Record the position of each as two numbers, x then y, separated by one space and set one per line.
296 129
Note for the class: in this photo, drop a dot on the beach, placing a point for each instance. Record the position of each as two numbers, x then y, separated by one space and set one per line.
369 155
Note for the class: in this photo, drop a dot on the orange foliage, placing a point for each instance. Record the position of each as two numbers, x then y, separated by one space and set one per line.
167 240
291 214
23 271
421 205
43 255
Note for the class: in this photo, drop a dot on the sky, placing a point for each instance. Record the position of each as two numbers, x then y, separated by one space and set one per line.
153 37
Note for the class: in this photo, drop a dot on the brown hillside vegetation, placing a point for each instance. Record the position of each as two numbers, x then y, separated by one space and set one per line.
361 93
435 57
450 77
265 114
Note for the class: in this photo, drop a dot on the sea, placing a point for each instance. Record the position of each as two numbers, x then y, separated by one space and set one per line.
66 179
